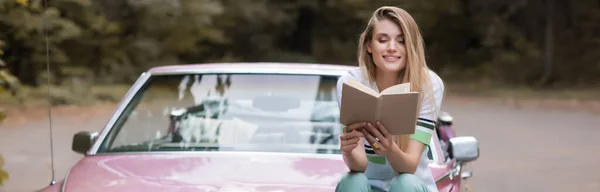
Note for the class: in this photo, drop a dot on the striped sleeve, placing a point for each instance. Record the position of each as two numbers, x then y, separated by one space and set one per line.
429 110
424 131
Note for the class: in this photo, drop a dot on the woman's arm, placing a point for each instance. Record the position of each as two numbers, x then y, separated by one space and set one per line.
356 160
401 161
353 150
406 161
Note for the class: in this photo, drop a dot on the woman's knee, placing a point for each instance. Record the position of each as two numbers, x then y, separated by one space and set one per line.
407 182
355 177
353 181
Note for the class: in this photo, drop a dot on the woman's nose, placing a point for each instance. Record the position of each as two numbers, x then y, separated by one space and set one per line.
392 47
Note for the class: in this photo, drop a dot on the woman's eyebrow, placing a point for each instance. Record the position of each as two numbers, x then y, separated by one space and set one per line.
387 35
382 34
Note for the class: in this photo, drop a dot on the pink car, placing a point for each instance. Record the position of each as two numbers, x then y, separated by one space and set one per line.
234 127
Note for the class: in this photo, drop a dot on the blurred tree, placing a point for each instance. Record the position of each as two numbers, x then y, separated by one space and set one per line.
2 115
530 42
255 28
24 26
509 53
97 44
3 173
23 2
8 82
168 30
576 56
151 33
2 53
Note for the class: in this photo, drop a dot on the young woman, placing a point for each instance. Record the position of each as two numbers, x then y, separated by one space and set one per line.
390 52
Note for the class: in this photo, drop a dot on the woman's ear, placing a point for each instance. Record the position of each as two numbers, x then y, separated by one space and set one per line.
369 47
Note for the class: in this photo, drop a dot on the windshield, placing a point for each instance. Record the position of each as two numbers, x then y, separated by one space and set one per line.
230 112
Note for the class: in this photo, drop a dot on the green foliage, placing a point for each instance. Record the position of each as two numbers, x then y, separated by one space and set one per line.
3 173
25 26
113 41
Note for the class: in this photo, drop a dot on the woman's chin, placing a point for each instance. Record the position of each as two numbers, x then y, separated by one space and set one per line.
393 67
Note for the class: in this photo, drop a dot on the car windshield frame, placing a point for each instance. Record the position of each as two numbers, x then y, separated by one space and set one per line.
136 95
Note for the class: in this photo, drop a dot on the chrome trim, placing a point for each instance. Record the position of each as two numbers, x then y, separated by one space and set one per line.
63 188
121 107
446 175
466 175
464 148
453 173
446 117
300 69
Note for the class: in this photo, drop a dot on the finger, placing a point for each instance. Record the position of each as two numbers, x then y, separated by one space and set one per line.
350 141
351 135
375 132
348 136
382 129
355 126
349 148
369 137
355 134
378 152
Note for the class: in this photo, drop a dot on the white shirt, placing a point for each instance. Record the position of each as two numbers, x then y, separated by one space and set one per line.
379 171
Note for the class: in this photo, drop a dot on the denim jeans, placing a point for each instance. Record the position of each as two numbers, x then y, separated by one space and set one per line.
358 182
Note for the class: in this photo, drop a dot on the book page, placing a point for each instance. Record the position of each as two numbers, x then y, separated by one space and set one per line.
398 113
401 88
362 87
357 106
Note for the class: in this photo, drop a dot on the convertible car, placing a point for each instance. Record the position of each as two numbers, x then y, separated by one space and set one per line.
234 127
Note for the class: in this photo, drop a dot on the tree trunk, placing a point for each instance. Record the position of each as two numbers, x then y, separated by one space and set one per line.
548 43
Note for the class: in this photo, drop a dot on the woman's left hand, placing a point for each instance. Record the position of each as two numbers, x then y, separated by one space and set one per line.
379 138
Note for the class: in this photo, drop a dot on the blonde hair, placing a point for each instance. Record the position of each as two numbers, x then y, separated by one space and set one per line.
415 71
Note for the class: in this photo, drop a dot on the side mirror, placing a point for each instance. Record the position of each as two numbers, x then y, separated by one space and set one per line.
83 141
464 149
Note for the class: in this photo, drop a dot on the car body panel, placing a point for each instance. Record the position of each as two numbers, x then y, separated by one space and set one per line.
206 171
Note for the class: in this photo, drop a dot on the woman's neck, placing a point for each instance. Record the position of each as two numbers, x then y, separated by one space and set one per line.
385 80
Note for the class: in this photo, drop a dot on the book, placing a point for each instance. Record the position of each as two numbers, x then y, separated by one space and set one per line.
395 107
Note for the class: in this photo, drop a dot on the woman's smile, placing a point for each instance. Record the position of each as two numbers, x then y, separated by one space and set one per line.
391 58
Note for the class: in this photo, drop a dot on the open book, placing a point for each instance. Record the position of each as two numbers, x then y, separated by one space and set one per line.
395 107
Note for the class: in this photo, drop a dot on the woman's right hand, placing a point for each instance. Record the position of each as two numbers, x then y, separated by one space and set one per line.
351 137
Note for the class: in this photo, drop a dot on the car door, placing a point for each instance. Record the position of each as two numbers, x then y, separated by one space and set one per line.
439 167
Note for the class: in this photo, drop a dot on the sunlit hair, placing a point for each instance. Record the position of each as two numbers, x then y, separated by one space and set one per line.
415 71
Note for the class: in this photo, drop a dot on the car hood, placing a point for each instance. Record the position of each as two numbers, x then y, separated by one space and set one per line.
206 171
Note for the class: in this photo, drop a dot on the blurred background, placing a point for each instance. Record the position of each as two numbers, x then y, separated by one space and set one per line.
503 59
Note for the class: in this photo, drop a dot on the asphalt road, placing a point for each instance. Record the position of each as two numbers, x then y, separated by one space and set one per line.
522 149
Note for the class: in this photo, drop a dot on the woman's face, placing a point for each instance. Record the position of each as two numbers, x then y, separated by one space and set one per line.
387 46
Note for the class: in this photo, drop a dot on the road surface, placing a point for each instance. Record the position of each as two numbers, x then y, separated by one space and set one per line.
522 148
